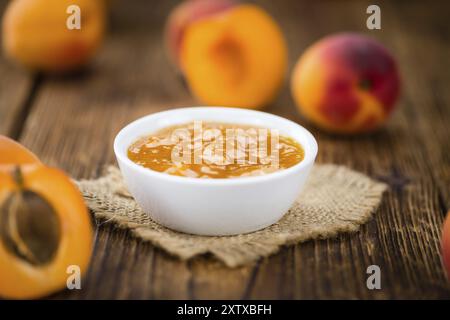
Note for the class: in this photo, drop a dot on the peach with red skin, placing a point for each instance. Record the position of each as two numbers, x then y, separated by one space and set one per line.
446 244
185 14
346 83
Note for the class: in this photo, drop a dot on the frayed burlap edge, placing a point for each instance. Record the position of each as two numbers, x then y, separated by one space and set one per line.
335 199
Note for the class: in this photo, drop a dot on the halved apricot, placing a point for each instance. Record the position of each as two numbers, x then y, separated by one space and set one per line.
12 152
185 13
45 228
235 58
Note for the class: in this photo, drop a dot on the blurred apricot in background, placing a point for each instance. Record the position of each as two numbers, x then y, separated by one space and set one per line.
35 33
185 14
346 83
230 54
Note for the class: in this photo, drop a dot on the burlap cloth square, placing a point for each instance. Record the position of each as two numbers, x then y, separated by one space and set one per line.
335 199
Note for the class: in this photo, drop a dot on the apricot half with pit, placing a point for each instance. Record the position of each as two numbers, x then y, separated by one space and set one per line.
45 227
231 55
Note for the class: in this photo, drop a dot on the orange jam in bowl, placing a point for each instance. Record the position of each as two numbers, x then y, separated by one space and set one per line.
212 150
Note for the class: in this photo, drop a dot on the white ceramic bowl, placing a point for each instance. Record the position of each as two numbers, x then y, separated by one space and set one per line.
214 206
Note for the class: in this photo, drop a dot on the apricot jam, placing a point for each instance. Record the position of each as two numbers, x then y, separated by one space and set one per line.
211 150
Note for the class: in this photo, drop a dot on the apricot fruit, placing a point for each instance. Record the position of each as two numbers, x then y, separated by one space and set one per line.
235 55
13 153
346 83
36 35
45 227
183 15
446 244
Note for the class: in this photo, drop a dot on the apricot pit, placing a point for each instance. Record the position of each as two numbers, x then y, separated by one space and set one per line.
30 228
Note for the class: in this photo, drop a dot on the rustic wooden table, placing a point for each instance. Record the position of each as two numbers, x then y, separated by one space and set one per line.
70 122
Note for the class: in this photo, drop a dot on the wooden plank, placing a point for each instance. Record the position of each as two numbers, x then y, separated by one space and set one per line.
74 120
16 92
427 84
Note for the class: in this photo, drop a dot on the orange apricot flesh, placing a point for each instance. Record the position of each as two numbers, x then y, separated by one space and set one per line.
44 229
235 58
182 16
12 152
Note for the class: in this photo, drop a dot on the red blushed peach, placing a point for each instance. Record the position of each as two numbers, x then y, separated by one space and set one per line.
446 244
346 83
185 14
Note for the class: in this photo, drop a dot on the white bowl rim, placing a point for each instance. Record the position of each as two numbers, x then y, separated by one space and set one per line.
308 159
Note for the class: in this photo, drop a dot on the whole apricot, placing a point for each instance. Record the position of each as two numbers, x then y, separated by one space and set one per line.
36 33
346 83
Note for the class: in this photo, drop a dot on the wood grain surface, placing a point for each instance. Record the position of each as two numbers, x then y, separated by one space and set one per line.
70 122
